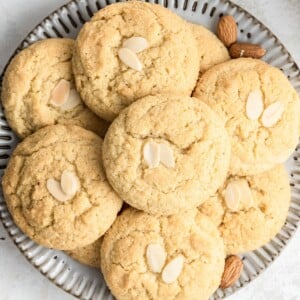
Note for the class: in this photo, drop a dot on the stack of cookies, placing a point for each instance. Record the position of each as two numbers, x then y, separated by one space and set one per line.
193 144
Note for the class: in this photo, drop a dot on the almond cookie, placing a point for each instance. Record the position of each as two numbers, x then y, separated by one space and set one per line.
250 210
56 190
212 51
149 257
38 90
164 154
88 255
260 109
131 50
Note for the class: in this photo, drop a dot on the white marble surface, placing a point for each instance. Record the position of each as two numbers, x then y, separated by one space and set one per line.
19 280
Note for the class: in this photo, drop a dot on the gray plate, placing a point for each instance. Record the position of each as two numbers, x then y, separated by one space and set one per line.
87 283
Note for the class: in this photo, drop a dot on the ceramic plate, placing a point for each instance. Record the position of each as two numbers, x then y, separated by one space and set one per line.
87 283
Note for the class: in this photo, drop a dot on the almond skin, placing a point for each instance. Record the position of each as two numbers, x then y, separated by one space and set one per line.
227 30
246 50
232 271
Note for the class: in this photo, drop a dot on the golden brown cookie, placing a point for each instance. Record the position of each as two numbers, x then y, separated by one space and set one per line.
149 257
38 90
56 190
165 154
260 110
250 210
167 61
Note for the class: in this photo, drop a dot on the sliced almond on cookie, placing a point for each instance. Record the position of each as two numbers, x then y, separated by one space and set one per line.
166 155
130 59
156 257
173 269
69 183
73 100
151 153
246 194
60 93
254 105
232 196
238 193
272 114
54 188
136 44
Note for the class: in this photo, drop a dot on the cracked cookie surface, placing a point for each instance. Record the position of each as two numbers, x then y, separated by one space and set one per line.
88 255
28 83
47 154
170 63
256 223
191 130
212 51
226 88
191 234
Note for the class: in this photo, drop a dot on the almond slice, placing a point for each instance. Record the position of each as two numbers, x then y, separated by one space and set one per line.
232 196
254 105
130 59
173 269
136 44
73 100
156 257
245 192
69 183
152 154
60 93
54 188
166 155
272 114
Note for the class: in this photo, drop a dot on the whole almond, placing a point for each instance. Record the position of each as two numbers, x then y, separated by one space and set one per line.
130 59
227 30
232 271
246 50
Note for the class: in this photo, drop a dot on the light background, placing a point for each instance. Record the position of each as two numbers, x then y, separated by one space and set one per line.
19 280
